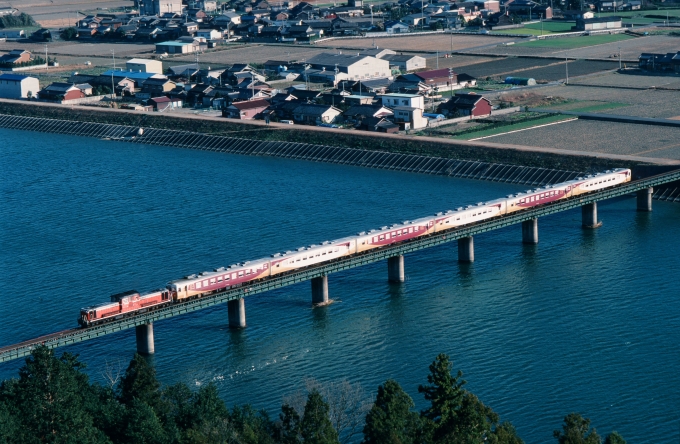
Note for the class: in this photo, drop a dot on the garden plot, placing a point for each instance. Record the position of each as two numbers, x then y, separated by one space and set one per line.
635 79
500 67
557 71
232 54
457 61
601 137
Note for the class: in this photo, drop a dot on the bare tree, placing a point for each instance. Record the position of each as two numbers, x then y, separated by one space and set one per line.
348 404
113 371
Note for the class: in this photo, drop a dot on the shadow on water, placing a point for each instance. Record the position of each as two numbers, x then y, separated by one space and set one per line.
320 317
466 273
643 220
237 340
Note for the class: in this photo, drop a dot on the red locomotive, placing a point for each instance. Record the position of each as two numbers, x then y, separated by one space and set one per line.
122 305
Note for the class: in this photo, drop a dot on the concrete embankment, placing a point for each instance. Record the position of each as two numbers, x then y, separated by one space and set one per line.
538 157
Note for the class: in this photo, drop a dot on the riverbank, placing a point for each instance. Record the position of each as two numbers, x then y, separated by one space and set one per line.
541 157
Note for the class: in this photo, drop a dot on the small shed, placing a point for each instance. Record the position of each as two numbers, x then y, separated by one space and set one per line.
524 81
466 104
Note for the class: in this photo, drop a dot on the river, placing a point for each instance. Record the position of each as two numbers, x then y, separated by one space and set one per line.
585 321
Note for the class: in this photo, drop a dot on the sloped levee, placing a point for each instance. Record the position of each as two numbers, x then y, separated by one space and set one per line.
467 169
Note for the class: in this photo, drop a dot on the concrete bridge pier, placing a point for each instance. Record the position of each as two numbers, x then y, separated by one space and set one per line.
395 268
466 249
237 313
589 216
530 231
644 199
144 334
320 290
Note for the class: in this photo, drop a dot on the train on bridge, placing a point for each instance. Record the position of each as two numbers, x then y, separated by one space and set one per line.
195 286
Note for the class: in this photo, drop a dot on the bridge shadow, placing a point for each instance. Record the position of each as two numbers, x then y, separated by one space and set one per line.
237 342
320 317
466 273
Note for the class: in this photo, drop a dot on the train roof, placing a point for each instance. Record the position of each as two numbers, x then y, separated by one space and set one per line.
98 306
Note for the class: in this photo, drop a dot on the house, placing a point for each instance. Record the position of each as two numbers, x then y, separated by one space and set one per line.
409 117
396 27
378 53
408 100
659 62
353 67
312 114
177 47
61 91
157 87
144 65
466 104
12 34
209 34
106 78
246 110
190 28
386 126
354 100
157 7
207 5
16 56
359 113
86 88
405 62
438 78
13 86
598 23
227 20
163 103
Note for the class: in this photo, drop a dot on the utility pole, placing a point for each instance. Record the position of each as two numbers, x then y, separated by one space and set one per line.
47 65
451 43
566 67
619 58
113 88
541 18
437 59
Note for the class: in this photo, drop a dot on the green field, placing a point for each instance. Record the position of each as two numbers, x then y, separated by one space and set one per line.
576 42
535 28
513 127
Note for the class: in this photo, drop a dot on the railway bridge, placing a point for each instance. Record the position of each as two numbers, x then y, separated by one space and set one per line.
318 275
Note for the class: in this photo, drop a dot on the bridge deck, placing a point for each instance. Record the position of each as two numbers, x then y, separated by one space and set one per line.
72 336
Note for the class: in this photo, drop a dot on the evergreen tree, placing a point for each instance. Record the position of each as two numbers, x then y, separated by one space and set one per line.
612 438
316 426
251 426
50 397
390 420
142 424
140 382
9 427
445 394
576 430
289 430
505 433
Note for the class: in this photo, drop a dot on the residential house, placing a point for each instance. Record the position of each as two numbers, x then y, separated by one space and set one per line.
86 88
409 117
207 5
354 100
378 53
209 34
359 113
14 86
442 79
158 7
246 110
408 100
405 62
164 103
144 65
16 56
577 14
189 28
466 104
59 91
396 27
157 87
312 114
12 34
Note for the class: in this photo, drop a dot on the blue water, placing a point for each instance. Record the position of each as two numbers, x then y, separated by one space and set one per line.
585 321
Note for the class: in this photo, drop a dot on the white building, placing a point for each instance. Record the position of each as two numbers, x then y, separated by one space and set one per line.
14 86
409 100
209 34
355 66
144 65
158 7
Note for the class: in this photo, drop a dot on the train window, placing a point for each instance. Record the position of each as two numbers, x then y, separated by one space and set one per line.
219 279
212 281
382 237
336 250
226 278
233 275
247 272
297 260
198 285
277 265
324 253
240 273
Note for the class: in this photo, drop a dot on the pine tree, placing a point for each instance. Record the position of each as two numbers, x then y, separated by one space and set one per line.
614 438
316 426
445 394
390 420
576 430
289 431
140 382
50 397
142 424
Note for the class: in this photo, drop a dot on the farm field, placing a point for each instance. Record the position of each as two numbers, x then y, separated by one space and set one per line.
86 50
652 103
576 42
633 79
631 48
549 27
601 137
456 61
419 43
588 106
499 67
576 68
